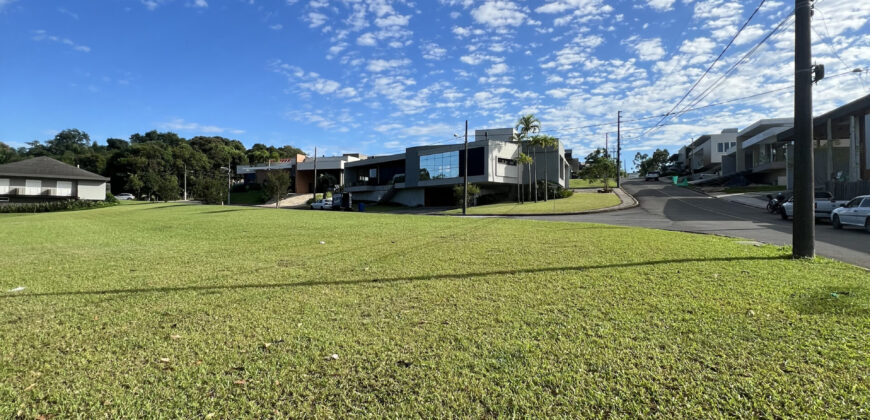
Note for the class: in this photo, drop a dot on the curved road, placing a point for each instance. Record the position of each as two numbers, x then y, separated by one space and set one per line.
665 206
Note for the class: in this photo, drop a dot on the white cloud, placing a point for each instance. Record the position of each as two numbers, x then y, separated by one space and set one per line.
367 40
499 68
42 35
662 5
316 19
200 3
276 27
179 124
382 65
431 51
498 14
649 49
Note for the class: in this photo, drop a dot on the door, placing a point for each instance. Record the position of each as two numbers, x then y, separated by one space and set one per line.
847 215
863 212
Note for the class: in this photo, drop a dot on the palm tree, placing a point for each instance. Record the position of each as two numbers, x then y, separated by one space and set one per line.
527 125
546 142
523 159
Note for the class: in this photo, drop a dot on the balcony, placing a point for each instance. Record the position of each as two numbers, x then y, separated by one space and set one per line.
35 191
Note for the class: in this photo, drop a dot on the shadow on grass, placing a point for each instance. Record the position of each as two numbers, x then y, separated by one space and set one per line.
446 276
840 300
222 211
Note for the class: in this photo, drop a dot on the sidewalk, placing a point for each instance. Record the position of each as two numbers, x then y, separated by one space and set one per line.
752 199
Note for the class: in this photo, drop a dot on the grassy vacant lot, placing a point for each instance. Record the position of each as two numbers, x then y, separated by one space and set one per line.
166 310
590 183
247 197
576 203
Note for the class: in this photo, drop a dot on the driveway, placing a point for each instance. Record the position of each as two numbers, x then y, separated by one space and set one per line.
665 206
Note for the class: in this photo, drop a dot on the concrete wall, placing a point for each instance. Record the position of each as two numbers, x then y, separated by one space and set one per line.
409 197
91 190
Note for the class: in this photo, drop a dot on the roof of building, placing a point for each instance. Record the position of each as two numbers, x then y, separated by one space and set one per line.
843 111
46 167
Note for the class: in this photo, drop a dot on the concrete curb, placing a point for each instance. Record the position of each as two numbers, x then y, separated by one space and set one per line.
623 198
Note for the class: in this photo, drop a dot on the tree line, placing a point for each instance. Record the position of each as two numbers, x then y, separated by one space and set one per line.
154 164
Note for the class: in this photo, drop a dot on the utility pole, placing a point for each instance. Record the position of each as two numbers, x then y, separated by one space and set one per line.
315 173
229 179
465 169
618 145
803 230
185 182
606 152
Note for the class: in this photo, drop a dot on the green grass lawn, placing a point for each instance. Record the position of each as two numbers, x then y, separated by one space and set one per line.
576 203
169 310
754 188
590 183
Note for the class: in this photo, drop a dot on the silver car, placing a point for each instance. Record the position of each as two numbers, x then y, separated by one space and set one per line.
854 213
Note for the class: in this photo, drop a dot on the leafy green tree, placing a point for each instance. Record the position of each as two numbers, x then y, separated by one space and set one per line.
277 183
70 140
653 163
7 154
459 194
166 187
599 165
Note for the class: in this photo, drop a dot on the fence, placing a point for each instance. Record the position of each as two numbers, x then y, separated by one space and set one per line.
847 190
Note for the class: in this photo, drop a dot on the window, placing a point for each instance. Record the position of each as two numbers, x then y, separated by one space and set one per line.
33 187
853 203
64 188
720 147
866 202
439 166
4 186
509 162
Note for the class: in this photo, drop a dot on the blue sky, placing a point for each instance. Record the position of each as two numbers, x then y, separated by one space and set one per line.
377 76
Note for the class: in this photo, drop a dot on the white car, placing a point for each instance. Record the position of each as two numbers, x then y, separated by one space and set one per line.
854 213
125 196
325 204
823 205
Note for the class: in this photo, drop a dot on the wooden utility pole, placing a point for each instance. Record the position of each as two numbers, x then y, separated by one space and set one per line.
804 229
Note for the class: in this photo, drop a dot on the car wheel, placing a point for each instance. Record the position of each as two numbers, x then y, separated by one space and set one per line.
783 214
836 222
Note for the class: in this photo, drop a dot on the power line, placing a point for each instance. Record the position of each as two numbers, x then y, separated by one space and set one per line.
827 38
731 42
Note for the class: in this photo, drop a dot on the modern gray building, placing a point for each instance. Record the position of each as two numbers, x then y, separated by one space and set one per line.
426 175
45 179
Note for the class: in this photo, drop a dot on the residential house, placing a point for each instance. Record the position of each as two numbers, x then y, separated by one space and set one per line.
842 155
704 154
44 179
758 156
426 175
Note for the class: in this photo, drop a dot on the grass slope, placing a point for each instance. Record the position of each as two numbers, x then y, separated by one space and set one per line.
167 310
589 183
576 203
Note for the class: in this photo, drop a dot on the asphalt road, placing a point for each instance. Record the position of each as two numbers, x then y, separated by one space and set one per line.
665 206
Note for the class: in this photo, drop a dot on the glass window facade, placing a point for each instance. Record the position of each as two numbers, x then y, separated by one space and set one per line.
439 166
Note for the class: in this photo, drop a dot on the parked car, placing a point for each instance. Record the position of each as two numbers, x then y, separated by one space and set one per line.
824 205
125 196
854 213
651 176
325 204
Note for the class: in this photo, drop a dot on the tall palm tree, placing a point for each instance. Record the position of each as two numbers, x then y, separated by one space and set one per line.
526 126
523 159
546 142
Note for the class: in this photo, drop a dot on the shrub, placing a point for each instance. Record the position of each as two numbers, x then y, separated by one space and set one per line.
63 205
565 193
110 198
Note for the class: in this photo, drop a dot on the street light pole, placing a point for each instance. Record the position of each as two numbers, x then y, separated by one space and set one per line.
803 230
618 146
315 173
465 187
